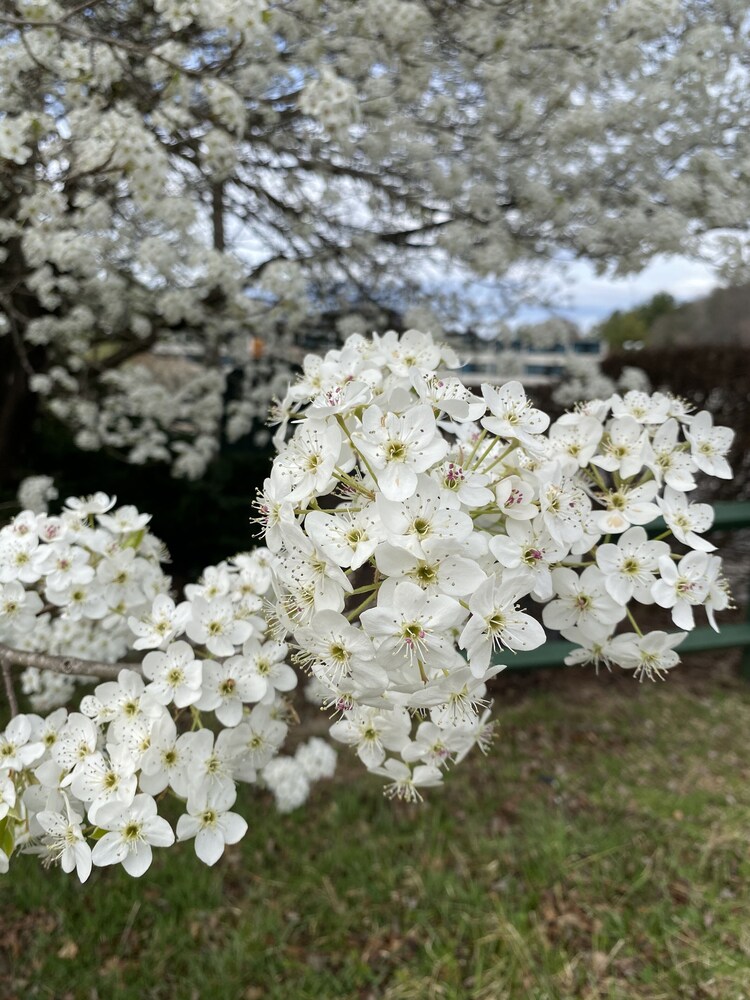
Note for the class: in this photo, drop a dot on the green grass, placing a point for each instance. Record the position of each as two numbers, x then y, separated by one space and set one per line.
600 852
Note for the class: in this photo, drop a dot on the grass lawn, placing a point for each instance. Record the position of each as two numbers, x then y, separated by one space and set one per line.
601 851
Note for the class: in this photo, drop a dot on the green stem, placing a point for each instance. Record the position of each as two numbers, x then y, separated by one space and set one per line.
478 441
490 508
511 448
486 452
361 607
345 429
598 478
633 622
353 484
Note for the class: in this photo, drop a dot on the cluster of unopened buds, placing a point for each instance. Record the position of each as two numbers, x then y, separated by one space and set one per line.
406 521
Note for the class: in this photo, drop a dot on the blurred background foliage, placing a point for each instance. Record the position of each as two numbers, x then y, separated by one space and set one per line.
200 522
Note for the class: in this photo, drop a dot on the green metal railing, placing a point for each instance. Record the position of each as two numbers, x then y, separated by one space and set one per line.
730 516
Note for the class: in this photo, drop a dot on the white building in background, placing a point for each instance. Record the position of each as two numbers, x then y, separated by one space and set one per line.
536 355
498 363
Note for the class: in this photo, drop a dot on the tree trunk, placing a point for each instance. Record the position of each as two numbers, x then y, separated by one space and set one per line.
17 412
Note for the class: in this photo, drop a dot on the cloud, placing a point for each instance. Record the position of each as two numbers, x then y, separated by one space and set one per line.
589 298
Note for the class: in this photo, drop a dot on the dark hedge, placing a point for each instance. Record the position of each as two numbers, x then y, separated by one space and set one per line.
200 522
715 378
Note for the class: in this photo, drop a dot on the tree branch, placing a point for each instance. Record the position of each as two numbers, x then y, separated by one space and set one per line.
10 657
124 353
116 43
10 691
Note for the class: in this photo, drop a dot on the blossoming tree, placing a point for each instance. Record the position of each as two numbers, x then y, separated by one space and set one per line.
407 524
191 171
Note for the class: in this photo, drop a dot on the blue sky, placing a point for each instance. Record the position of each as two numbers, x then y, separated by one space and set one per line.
587 299
576 293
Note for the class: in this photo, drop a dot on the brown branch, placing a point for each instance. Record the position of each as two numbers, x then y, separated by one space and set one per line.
10 657
217 216
10 691
115 43
87 5
125 353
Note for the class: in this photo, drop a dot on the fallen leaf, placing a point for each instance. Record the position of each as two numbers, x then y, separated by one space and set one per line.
68 950
599 962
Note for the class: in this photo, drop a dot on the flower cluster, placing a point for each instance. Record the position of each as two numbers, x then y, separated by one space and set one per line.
410 519
83 787
330 100
408 522
69 583
35 493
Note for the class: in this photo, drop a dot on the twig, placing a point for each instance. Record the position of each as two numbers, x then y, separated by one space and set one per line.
9 689
10 657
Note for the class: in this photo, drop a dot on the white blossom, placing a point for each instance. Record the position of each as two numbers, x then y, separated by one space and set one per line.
134 830
212 825
397 578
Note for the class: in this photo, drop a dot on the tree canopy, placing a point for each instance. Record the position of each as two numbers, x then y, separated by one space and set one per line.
633 326
196 173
